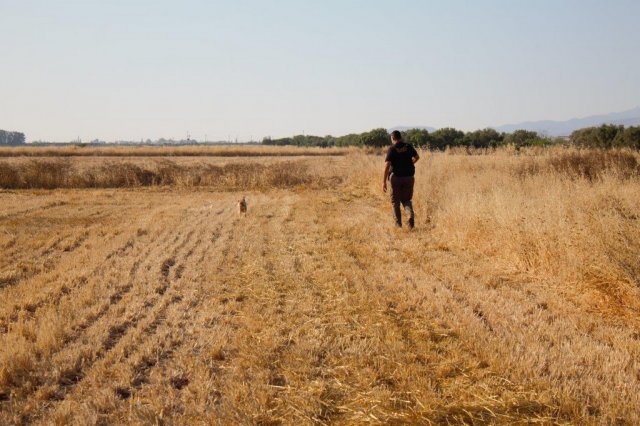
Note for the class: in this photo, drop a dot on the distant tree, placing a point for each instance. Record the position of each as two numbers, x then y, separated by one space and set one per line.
302 140
284 141
315 141
376 137
484 138
352 139
328 141
605 136
11 138
522 138
583 137
417 137
629 137
448 136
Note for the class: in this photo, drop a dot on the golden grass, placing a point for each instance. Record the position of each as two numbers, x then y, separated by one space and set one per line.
63 173
589 165
515 300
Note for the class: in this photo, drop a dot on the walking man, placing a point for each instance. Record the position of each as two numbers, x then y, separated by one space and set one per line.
400 166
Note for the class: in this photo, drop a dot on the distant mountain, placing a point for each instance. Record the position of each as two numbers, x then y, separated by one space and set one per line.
405 128
564 128
558 128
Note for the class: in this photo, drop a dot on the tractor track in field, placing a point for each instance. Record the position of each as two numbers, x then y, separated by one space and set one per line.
53 298
71 375
85 282
149 316
50 280
153 342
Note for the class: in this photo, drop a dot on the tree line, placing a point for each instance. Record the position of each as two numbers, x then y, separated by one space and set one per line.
605 136
11 138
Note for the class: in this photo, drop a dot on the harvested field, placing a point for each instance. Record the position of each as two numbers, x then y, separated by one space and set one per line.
515 300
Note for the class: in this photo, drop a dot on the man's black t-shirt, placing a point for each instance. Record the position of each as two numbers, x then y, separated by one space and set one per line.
400 155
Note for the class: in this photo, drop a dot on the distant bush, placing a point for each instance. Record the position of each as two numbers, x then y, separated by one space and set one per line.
485 138
521 138
629 137
302 140
352 139
446 137
418 137
375 138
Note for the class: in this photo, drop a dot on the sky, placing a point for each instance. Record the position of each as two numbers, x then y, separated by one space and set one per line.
227 70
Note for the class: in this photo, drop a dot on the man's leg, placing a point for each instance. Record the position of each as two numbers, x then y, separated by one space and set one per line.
395 200
397 214
407 195
408 208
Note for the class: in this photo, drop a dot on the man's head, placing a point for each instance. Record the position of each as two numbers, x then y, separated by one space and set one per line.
396 136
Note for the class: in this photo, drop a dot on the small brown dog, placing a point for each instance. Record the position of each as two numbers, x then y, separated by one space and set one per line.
242 205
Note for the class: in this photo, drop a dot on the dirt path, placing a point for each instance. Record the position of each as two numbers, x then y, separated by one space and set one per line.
168 307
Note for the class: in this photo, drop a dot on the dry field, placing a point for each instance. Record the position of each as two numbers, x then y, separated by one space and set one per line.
515 300
168 151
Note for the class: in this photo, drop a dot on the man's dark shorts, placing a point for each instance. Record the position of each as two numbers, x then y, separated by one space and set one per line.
401 189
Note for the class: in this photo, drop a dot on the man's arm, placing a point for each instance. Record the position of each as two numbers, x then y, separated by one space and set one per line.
387 167
415 158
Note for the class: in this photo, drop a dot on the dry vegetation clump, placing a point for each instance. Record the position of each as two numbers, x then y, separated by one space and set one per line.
9 176
46 174
61 173
470 150
595 164
255 176
586 164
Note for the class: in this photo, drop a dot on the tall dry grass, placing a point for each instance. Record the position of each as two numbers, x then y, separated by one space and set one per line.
590 165
546 245
563 213
62 173
571 215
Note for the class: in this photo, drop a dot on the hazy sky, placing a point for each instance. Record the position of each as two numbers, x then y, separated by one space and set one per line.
132 69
